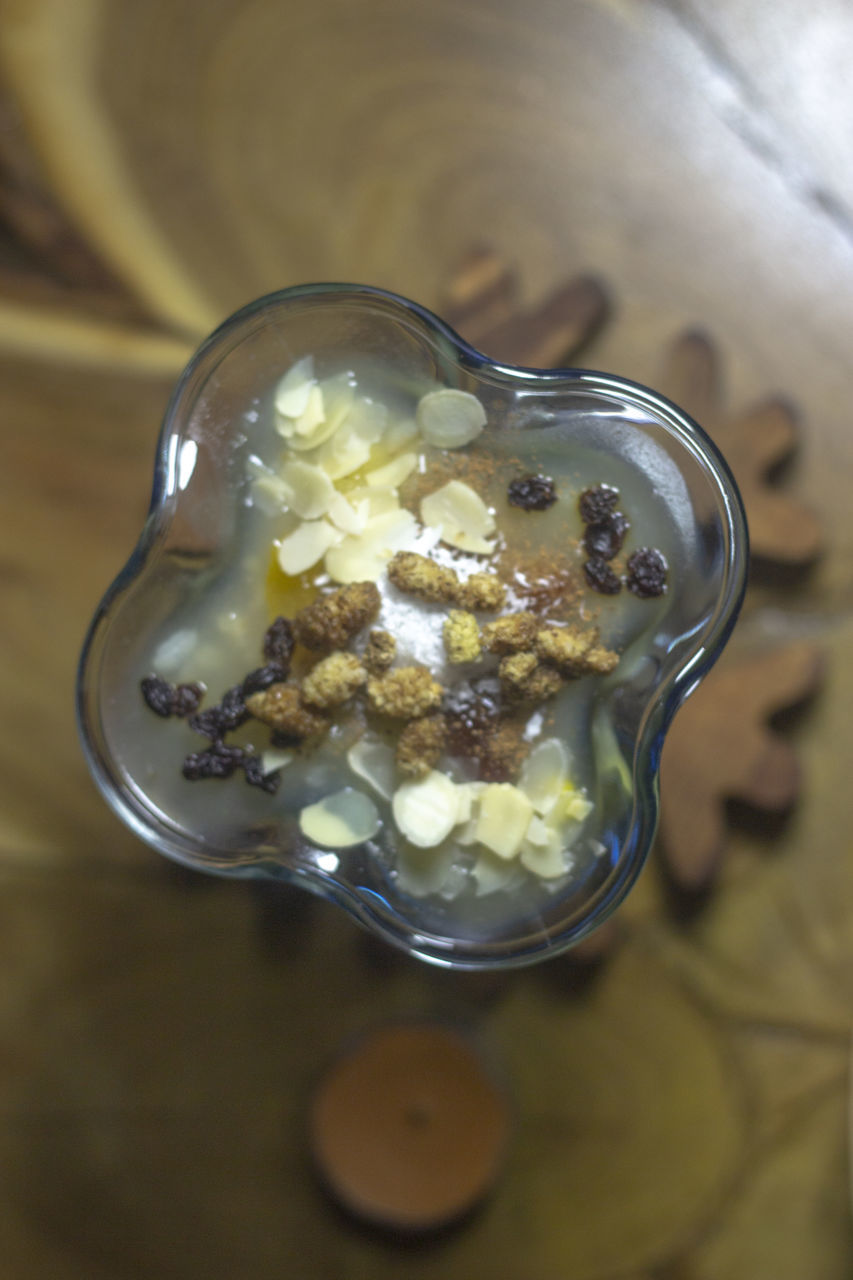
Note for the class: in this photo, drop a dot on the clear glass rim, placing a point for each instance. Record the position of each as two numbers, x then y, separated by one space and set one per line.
365 905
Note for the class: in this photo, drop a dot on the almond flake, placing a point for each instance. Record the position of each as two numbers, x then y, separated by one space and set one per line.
340 820
393 473
461 517
346 516
292 392
375 762
492 873
504 817
425 811
307 544
449 418
344 452
544 774
379 501
399 434
363 558
547 859
310 490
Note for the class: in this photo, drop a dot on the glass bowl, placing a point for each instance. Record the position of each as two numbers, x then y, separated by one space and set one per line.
220 416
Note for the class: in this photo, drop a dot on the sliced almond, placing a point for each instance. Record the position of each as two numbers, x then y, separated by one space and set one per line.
310 490
399 434
492 873
571 808
346 516
544 774
425 871
368 419
393 473
375 762
379 501
461 517
310 428
425 810
449 418
337 395
308 543
270 494
293 390
340 820
363 558
344 452
504 817
545 859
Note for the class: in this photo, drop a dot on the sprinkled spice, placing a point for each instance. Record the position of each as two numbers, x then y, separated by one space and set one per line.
532 493
647 569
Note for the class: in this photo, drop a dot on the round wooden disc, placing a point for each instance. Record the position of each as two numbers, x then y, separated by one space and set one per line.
409 1128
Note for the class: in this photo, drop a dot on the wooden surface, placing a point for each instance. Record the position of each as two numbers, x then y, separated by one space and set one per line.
681 1107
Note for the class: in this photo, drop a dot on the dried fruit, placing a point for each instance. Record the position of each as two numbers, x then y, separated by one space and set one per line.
257 776
532 493
332 621
420 745
159 695
604 538
218 761
187 699
278 642
262 678
601 578
596 504
166 700
647 569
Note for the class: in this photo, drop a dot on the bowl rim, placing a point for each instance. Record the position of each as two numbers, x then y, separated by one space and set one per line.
362 903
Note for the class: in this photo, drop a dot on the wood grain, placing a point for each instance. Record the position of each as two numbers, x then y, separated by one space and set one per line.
681 1108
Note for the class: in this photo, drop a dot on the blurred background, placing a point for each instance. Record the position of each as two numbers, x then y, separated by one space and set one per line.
682 173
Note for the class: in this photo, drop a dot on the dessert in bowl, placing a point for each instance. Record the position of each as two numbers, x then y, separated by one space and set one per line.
406 627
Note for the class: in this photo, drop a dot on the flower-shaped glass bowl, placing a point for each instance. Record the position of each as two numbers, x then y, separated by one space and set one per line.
674 486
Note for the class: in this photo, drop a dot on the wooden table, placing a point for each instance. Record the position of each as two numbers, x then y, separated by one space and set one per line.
681 1106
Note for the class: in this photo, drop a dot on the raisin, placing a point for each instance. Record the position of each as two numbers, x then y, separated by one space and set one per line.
596 504
159 695
532 493
253 768
262 678
605 537
470 718
218 761
187 699
232 708
647 569
209 723
601 577
278 643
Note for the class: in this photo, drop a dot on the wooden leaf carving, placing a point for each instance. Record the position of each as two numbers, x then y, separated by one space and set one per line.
482 302
753 443
721 747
